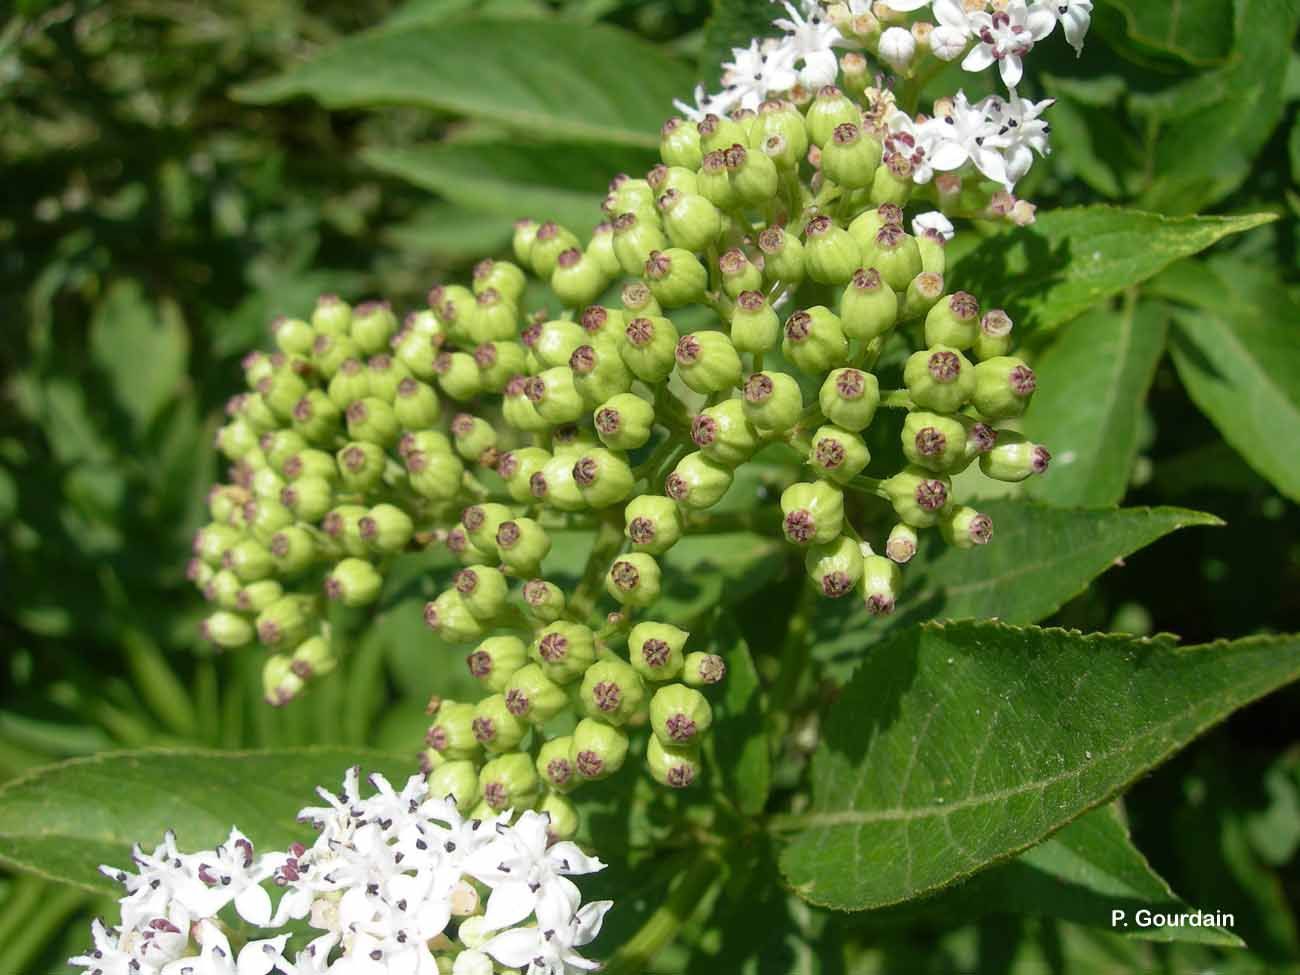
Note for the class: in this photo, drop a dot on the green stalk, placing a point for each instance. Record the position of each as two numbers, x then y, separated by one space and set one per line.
662 926
899 399
794 651
609 539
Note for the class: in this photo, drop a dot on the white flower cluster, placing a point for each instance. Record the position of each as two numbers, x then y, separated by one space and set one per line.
382 882
996 136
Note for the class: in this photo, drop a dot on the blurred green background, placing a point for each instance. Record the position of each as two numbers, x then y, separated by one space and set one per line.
156 215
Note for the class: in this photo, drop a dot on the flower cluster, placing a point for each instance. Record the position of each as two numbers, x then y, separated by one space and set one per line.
395 884
995 137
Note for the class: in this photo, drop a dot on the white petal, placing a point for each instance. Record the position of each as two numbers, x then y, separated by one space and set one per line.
948 155
568 858
991 164
254 905
979 58
1012 70
509 904
1041 22
514 948
259 957
904 6
589 920
1076 28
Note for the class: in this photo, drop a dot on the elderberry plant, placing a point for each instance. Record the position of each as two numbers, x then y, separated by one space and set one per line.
744 298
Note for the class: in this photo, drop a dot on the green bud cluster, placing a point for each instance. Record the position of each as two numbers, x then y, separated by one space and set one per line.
492 415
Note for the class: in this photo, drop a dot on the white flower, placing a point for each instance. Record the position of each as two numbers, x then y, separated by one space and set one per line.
953 31
914 142
548 949
229 873
1075 16
106 953
809 44
1005 36
1019 132
755 71
898 47
964 133
526 875
905 6
933 222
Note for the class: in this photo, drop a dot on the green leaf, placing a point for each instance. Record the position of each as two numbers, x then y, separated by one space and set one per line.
128 332
1058 268
548 181
1196 31
554 79
1093 382
449 233
1205 135
1039 559
62 821
959 745
436 11
1238 356
739 742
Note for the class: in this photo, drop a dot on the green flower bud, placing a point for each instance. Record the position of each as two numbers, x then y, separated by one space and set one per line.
483 590
256 596
554 395
814 339
679 144
525 237
458 375
343 525
226 630
522 544
894 254
753 175
849 398
249 560
517 467
719 132
350 383
331 316
655 650
835 568
472 435
881 582
293 549
654 523
315 417
373 324
599 750
680 715
517 408
280 684
361 466
599 373
993 339
780 119
386 529
813 513
313 658
953 322
638 301
571 441
253 411
624 422
603 478
937 443
901 544
532 696
257 366
266 483
578 278
563 818
281 391
311 463
604 326
851 156
923 294
707 362
386 374
434 475
452 733
703 669
649 349
869 308
265 517
697 482
286 621
691 219
279 445
932 245
550 242
416 405
664 178
635 238
329 352
554 485
507 279
772 402
498 363
738 273
1003 387
354 582
939 379
783 257
892 182
634 579
510 782
714 181
838 454
417 352
626 193
543 600
458 781
564 650
450 618
867 224
676 277
829 109
611 692
495 728
724 434
755 327
831 255
372 420
918 496
465 551
673 766
496 660
964 527
1014 458
555 765
492 317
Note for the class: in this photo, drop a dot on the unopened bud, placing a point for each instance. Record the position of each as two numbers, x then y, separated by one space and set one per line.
673 766
611 692
918 496
697 482
599 749
881 582
940 379
564 650
532 696
655 650
653 523
509 782
772 402
813 514
634 579
1003 387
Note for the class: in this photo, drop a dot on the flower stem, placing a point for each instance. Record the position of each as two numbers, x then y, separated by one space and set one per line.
662 926
609 539
794 651
899 399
